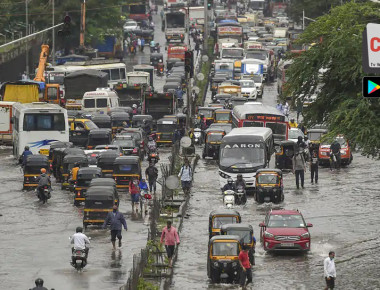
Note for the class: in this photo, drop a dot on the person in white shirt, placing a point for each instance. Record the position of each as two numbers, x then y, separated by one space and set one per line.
186 176
329 271
79 241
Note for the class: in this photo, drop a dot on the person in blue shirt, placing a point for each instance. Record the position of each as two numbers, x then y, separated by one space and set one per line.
143 185
142 44
25 155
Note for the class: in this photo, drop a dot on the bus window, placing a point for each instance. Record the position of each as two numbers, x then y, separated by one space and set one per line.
122 74
44 122
253 124
107 71
115 75
278 129
89 103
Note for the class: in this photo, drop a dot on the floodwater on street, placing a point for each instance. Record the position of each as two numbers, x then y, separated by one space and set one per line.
343 208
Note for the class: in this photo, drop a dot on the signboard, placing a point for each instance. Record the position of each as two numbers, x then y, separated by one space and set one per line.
230 30
371 48
256 117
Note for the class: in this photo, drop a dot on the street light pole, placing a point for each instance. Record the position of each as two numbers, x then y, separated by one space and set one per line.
205 27
26 42
303 19
53 32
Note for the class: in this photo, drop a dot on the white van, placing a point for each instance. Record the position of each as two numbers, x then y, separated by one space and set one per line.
101 100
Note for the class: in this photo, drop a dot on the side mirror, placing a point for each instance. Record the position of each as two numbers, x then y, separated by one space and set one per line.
309 225
261 225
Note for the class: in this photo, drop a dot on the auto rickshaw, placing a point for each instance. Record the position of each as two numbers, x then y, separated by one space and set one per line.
172 87
284 154
102 181
222 116
215 82
101 136
212 144
118 121
124 169
58 144
269 186
105 162
156 58
101 120
223 258
79 130
221 99
99 201
137 121
165 130
208 113
58 156
32 170
92 156
68 164
245 233
315 136
84 177
217 218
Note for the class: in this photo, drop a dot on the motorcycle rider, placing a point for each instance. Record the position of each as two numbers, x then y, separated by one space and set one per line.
134 109
25 155
240 182
79 240
43 180
152 145
151 173
230 185
39 284
335 150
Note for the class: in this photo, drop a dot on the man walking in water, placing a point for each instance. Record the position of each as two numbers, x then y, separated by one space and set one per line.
171 237
329 271
116 221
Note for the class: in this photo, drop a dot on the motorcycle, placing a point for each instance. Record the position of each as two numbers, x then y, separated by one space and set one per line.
197 136
43 193
240 195
160 69
153 157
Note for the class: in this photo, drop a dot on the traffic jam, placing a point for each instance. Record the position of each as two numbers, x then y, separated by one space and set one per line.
89 134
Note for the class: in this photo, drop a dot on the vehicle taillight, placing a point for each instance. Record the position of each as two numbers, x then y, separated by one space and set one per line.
78 193
115 178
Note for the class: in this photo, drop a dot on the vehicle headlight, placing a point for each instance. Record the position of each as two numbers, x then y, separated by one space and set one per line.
223 175
305 235
268 235
216 264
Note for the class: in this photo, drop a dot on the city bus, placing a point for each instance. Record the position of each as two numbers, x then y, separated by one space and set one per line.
37 125
116 71
244 151
256 114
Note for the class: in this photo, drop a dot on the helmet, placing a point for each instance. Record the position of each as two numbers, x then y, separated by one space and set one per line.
134 106
26 148
299 138
150 138
292 120
39 282
43 170
79 229
229 180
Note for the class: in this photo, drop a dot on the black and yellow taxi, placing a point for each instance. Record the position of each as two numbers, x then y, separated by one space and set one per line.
32 170
269 185
79 130
84 177
217 218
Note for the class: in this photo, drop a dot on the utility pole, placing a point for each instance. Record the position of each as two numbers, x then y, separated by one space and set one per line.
303 19
205 27
26 42
82 24
53 36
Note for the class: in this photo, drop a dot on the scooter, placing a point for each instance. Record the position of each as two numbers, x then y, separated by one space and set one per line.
43 193
197 136
240 196
229 198
78 259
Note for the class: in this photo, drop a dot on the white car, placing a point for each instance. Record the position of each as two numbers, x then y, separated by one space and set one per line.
248 89
130 25
293 134
259 82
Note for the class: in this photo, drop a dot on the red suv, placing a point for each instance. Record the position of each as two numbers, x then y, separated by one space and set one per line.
285 230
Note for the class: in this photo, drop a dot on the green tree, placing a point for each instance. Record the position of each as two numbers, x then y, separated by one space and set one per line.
332 69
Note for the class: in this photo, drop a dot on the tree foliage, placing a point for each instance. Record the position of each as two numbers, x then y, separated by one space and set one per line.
103 17
332 70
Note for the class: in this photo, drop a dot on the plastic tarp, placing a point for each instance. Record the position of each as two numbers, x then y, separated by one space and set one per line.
79 82
22 92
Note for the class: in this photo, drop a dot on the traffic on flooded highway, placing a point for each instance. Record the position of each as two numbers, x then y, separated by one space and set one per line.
189 145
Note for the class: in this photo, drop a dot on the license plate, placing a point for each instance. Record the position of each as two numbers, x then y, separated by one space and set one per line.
287 245
44 151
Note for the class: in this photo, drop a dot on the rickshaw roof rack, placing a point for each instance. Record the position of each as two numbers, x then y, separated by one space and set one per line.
224 212
226 237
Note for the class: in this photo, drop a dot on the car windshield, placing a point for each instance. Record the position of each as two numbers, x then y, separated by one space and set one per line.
225 249
293 134
286 221
218 221
132 23
238 157
255 55
234 53
268 179
124 143
243 235
315 136
134 135
247 84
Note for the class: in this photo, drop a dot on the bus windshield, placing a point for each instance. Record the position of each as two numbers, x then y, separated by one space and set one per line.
44 122
237 156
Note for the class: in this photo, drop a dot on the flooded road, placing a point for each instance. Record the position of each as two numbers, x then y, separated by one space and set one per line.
343 207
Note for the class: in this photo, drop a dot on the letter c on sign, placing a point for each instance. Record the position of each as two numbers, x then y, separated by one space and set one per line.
373 48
